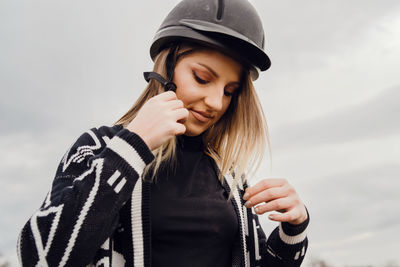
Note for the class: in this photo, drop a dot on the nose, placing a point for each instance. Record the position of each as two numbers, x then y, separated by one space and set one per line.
214 98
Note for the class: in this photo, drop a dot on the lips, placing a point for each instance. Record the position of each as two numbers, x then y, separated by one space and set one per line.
201 116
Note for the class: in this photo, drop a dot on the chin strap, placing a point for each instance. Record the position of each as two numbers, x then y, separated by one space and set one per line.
170 65
168 85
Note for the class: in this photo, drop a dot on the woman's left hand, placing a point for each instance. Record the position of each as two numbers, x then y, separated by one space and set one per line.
276 195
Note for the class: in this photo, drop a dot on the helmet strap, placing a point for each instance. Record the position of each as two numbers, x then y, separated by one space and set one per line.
170 66
171 60
168 85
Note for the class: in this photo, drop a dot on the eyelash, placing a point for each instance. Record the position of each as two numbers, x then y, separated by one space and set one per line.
198 79
228 93
201 81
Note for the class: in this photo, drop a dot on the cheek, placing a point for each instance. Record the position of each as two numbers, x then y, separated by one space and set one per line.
226 104
225 107
186 92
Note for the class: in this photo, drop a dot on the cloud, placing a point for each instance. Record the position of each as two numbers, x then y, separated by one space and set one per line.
376 117
353 196
353 213
313 28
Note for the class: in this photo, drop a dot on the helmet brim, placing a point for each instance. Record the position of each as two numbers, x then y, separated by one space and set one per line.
215 35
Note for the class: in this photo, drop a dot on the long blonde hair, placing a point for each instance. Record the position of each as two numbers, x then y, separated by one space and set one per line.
236 142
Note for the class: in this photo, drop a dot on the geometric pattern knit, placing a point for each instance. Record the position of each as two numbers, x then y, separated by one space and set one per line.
97 212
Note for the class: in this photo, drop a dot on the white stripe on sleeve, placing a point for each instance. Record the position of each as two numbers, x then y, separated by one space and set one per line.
128 153
291 240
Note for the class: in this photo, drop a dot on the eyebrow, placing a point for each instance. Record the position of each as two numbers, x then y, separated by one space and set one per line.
210 69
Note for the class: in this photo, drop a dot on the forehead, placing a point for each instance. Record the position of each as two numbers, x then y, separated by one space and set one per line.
222 64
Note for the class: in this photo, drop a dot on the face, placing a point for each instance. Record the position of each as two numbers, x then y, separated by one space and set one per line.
206 81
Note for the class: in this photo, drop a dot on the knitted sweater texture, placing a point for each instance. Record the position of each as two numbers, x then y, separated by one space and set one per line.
97 212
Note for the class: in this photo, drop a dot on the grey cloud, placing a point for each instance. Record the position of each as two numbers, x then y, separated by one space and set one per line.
376 117
357 201
72 65
310 32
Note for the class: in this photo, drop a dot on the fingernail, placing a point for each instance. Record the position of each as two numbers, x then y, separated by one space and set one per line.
246 196
271 217
248 204
256 209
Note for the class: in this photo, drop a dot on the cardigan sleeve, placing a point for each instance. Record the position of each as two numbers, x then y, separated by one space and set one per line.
93 181
286 245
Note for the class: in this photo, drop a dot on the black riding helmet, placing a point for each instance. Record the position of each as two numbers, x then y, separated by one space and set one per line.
230 25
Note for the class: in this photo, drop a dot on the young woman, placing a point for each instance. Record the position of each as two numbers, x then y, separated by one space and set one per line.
165 185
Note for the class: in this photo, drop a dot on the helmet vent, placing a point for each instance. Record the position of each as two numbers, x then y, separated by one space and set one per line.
221 6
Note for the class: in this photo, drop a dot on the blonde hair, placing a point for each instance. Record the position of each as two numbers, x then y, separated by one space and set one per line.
236 142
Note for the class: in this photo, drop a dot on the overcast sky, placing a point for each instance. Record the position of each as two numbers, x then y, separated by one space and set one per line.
332 100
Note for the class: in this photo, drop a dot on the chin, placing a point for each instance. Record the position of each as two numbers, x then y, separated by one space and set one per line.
193 133
192 130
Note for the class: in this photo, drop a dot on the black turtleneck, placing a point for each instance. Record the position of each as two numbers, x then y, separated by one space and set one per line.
193 224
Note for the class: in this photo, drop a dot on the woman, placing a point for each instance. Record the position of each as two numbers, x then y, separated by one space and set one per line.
165 186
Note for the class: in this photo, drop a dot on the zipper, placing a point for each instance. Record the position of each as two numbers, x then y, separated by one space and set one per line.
241 234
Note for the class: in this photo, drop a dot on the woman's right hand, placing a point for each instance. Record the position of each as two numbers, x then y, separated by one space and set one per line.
159 119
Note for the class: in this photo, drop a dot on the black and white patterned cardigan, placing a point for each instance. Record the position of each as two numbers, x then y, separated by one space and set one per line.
97 212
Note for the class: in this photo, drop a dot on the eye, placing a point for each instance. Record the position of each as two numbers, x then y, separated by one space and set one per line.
230 90
227 93
198 79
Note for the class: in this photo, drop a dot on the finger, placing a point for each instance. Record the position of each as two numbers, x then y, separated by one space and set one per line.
175 104
288 216
169 95
179 129
280 204
263 185
266 196
180 114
